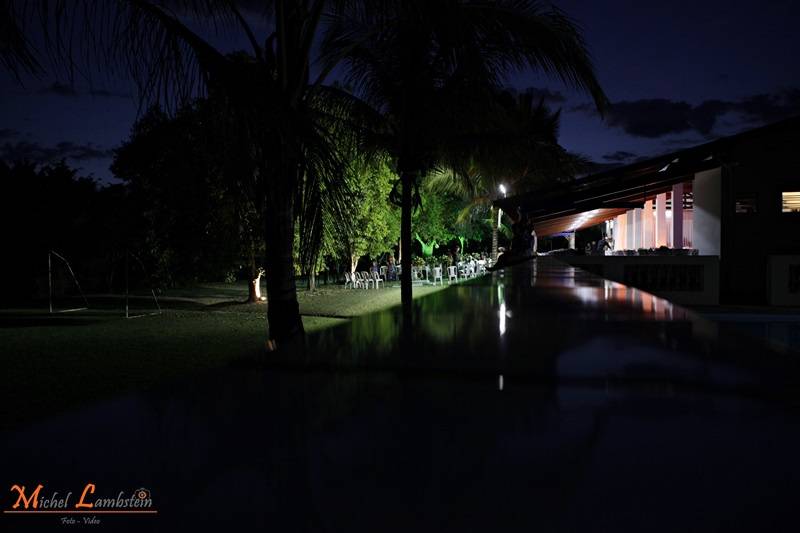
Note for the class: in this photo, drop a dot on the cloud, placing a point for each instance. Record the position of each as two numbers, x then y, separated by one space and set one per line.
619 155
37 153
771 107
594 167
684 141
69 91
105 93
59 89
658 117
552 97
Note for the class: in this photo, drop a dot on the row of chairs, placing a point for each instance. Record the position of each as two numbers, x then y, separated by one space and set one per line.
471 269
454 273
362 280
365 280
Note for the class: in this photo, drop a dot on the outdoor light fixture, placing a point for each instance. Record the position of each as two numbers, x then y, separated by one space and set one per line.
583 218
503 190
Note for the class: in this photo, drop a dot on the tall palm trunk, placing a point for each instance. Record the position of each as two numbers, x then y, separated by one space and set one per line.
283 311
407 180
495 231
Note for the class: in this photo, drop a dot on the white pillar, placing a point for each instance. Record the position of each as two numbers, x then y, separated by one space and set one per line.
629 230
661 220
677 215
638 229
571 240
648 221
619 233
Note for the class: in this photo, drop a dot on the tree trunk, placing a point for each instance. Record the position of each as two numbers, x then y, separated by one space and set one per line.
254 282
312 280
407 180
254 289
495 230
283 311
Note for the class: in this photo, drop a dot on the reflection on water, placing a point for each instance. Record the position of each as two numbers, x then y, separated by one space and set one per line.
288 451
519 321
540 398
502 311
650 305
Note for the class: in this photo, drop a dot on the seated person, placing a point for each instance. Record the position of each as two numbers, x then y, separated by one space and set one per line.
523 243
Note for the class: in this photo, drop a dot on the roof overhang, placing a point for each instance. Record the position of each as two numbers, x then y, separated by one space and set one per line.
588 206
590 200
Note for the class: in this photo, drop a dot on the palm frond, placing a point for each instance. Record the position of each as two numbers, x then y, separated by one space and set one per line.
468 210
17 53
147 41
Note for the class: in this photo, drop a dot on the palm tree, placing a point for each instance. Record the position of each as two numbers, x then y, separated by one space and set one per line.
16 51
432 68
521 152
285 122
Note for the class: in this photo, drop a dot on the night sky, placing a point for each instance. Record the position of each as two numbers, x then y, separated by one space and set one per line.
679 73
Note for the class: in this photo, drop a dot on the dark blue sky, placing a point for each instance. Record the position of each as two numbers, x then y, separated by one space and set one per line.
678 73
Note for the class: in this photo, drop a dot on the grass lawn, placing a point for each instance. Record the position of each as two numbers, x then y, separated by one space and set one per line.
54 362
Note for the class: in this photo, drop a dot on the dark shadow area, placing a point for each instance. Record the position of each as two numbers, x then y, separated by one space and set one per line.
538 398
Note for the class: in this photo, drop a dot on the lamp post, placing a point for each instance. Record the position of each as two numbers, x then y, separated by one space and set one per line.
500 210
503 191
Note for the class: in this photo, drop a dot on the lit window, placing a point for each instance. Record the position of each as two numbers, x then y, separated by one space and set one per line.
791 202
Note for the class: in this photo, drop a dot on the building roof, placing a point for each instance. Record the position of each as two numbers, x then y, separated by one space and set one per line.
602 196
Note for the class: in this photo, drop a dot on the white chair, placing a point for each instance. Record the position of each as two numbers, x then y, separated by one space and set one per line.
437 274
347 280
452 273
367 278
377 279
384 273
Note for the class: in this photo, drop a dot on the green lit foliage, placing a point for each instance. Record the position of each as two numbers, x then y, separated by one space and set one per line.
435 219
375 221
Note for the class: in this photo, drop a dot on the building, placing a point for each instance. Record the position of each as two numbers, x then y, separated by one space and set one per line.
715 223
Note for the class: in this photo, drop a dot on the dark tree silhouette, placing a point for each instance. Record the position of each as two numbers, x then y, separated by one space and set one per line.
432 68
197 223
518 150
429 66
286 123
